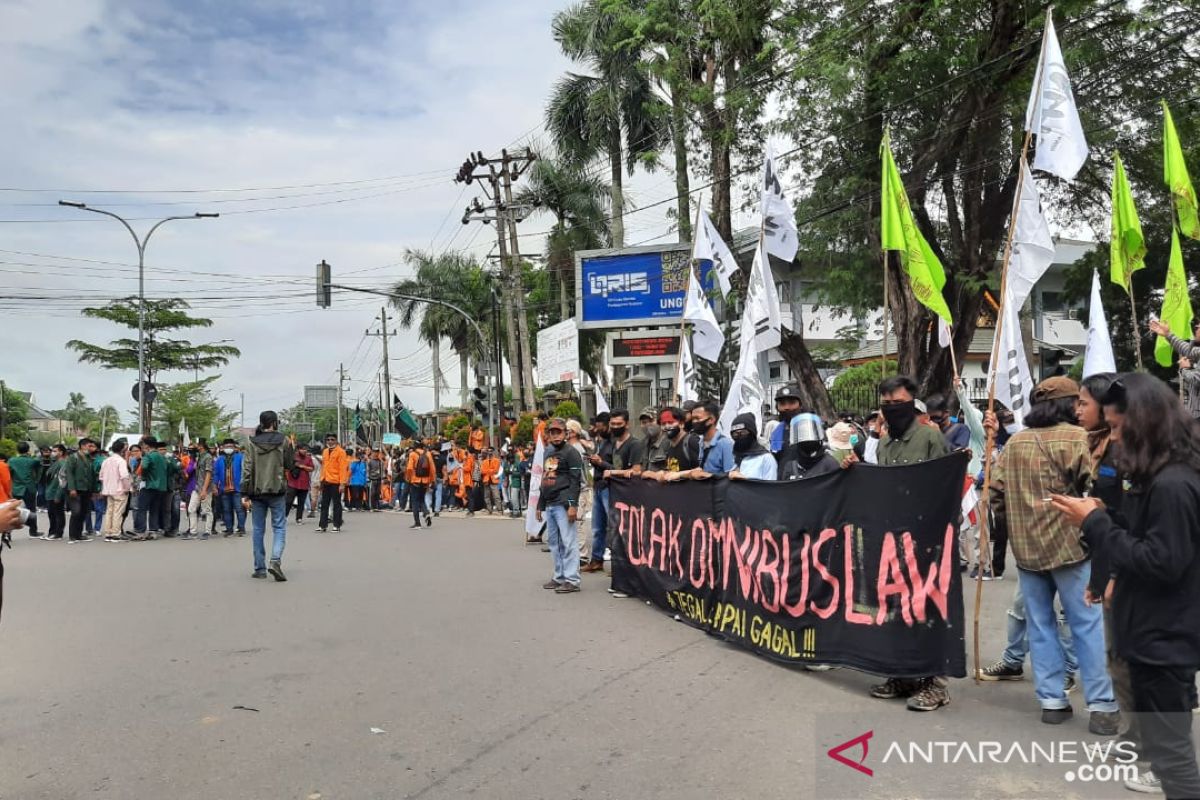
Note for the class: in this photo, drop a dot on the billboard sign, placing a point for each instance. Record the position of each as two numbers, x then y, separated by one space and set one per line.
558 353
643 347
633 287
320 397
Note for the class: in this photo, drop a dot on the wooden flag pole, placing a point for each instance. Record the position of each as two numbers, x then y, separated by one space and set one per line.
953 358
883 344
1137 336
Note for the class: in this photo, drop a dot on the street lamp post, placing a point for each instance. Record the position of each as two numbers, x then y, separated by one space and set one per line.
141 243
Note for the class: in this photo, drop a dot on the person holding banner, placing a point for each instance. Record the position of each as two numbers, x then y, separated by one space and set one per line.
753 460
716 449
806 456
558 506
1156 596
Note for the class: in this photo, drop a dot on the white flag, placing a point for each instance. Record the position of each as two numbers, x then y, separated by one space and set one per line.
944 334
685 376
762 302
746 392
709 246
183 433
1013 381
1033 247
778 218
601 403
1052 115
532 526
1099 356
707 336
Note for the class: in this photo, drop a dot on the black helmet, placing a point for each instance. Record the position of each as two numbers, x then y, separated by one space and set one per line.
789 391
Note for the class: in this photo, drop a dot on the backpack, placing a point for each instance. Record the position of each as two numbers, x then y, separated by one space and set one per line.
421 468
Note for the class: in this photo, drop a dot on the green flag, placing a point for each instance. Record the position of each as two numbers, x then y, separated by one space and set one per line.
1127 250
1176 175
898 231
1177 307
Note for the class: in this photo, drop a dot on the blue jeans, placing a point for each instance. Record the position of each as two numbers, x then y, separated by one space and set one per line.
277 503
99 506
231 505
1087 630
1018 636
599 523
563 539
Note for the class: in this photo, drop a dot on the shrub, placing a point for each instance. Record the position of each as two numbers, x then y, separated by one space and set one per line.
8 448
568 409
525 428
454 425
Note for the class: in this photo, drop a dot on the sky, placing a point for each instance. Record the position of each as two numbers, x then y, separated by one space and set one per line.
317 130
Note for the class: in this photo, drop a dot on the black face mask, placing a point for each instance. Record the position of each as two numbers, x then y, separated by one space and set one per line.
809 451
687 426
900 416
786 416
617 433
742 444
701 426
670 431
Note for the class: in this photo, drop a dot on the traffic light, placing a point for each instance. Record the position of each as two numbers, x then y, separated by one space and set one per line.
324 290
1051 363
480 402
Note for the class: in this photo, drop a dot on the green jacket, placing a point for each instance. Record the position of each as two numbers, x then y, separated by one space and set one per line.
79 473
268 459
54 490
919 443
154 471
97 462
26 471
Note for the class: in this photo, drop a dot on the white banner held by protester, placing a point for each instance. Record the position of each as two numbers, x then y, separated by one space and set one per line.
1052 115
762 303
709 246
601 402
707 338
1033 246
532 526
1013 381
778 218
184 436
558 353
1099 356
746 391
685 378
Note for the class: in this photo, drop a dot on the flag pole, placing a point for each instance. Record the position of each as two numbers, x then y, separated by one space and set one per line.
991 407
883 344
953 359
687 290
1137 336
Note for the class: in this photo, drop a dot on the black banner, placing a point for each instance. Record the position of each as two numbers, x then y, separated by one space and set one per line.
859 567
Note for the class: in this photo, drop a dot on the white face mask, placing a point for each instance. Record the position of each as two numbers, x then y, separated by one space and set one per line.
1012 429
228 451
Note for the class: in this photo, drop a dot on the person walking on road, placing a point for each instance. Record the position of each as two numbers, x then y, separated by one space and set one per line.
419 473
335 472
264 488
115 483
558 505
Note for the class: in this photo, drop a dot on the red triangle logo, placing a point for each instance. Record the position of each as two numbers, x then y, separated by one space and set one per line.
863 739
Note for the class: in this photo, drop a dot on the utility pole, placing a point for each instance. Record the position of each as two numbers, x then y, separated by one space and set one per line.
437 383
386 403
3 411
341 380
496 176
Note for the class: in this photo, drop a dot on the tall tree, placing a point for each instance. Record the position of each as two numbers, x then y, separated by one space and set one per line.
453 278
162 353
613 112
77 411
192 401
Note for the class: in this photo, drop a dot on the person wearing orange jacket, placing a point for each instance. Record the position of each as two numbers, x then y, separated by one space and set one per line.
335 474
420 473
478 438
489 471
469 464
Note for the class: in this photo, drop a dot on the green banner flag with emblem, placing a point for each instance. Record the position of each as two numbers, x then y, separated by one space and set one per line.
1127 250
1177 306
1175 173
898 231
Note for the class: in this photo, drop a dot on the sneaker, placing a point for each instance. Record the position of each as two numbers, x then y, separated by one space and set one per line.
550 585
1001 671
1056 716
276 570
428 521
262 575
894 689
187 535
227 534
1104 723
930 697
987 575
1146 782
204 535
300 521
567 588
1069 684
337 528
78 541
819 667
322 530
111 538
415 525
618 595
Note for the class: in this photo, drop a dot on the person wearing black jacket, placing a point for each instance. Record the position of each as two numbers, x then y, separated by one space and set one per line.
558 505
1156 559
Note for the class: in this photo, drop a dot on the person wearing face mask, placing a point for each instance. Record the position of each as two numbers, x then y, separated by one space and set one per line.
753 460
806 456
787 406
716 449
227 481
625 454
677 451
647 427
558 505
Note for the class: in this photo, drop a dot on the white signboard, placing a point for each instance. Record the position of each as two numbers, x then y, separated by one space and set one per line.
320 397
558 353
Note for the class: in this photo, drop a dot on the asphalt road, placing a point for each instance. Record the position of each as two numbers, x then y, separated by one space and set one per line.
404 664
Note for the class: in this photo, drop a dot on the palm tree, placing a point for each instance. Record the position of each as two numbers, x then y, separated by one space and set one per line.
579 203
613 111
453 278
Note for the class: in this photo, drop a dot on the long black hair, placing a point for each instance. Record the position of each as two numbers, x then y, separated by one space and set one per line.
1156 429
1046 413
